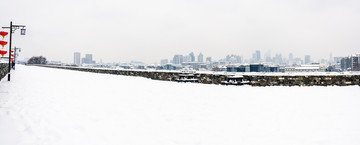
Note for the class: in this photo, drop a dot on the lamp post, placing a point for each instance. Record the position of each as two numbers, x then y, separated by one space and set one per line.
12 30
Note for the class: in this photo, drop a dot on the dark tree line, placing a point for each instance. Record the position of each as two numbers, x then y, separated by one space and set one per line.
37 60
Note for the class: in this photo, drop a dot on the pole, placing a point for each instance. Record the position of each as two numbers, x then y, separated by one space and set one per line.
10 50
14 56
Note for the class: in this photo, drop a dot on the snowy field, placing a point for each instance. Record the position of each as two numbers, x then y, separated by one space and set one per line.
46 106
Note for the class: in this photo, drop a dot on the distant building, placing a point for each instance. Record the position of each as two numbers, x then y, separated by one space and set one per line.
252 68
200 57
306 68
355 65
257 68
191 57
195 65
345 63
267 56
238 68
291 57
172 67
278 59
258 56
178 59
233 59
88 59
307 59
164 61
208 59
77 58
338 59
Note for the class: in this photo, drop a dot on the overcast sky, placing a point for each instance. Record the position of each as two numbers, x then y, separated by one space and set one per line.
150 30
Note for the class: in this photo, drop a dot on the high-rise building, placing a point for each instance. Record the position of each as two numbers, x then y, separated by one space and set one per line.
178 59
192 57
267 56
200 57
345 63
355 62
258 56
307 59
278 59
88 59
337 59
77 58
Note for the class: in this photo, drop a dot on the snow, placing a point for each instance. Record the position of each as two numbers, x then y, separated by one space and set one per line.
47 106
315 73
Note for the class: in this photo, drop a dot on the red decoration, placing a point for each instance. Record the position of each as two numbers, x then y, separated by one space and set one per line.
3 43
12 59
12 54
12 51
3 52
3 34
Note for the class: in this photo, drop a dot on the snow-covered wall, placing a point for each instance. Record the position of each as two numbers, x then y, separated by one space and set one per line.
251 79
4 68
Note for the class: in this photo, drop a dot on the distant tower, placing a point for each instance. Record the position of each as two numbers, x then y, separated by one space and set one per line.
307 59
258 56
192 57
200 57
291 57
178 59
88 59
77 58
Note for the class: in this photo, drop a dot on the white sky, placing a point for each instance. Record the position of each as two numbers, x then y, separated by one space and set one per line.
148 31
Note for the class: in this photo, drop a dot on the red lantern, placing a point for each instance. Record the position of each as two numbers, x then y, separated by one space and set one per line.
12 54
3 34
12 59
3 43
3 52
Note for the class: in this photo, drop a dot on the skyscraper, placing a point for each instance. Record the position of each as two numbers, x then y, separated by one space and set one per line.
200 57
178 59
192 57
88 59
291 57
307 59
77 58
258 56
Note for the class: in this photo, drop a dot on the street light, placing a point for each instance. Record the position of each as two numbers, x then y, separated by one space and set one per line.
12 30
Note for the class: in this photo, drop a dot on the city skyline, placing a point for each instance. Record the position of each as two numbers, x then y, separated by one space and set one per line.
257 57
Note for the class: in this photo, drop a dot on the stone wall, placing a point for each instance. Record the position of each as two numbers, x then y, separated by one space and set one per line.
4 69
253 80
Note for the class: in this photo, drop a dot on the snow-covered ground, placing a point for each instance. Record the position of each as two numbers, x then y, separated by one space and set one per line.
46 106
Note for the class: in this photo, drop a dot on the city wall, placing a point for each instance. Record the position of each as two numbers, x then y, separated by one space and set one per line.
253 80
4 69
